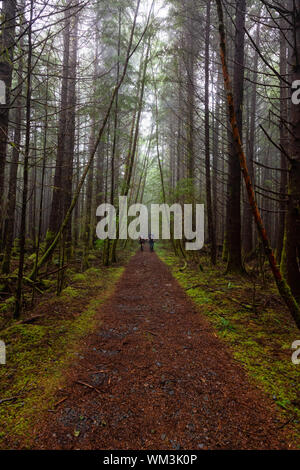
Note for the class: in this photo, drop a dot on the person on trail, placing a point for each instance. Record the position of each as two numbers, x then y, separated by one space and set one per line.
141 242
151 242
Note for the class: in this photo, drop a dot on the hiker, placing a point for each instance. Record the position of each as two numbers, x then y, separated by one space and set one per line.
141 242
151 242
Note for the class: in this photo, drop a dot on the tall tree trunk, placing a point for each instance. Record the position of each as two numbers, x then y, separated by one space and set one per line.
211 230
69 144
190 69
234 263
215 171
247 219
115 136
56 215
7 39
291 256
18 305
12 185
41 203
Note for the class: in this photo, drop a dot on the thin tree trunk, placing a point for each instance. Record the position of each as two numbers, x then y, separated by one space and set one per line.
56 215
18 305
12 185
291 255
69 145
211 229
234 263
247 219
115 137
7 39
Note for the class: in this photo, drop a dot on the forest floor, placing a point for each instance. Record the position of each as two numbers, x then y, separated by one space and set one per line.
47 341
155 374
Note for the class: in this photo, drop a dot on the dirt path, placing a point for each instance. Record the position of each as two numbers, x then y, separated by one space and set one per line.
162 378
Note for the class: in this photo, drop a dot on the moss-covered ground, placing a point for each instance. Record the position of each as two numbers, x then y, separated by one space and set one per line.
38 353
253 322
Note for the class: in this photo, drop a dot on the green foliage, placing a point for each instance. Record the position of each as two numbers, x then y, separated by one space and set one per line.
79 277
99 244
8 305
48 283
70 293
225 325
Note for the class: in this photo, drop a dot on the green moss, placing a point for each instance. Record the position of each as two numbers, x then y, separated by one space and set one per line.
70 292
32 257
47 283
8 305
92 271
79 277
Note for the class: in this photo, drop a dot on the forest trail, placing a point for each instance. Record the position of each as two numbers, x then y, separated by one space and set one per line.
157 377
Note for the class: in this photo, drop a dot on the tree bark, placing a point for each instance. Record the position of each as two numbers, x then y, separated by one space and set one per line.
18 304
247 219
56 215
210 221
7 39
291 255
234 263
8 234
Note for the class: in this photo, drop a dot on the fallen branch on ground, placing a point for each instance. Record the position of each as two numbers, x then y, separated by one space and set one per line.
4 400
60 402
31 319
88 385
193 287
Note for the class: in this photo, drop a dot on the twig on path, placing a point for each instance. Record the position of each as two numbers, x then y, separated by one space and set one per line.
242 304
60 402
88 385
193 287
286 423
57 404
31 319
